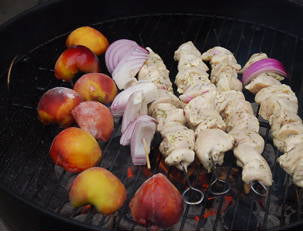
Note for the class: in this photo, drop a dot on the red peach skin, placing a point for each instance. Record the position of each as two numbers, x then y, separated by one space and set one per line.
56 104
76 59
75 150
94 118
157 202
96 86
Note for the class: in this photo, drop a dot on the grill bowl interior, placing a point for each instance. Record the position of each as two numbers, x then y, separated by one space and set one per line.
27 171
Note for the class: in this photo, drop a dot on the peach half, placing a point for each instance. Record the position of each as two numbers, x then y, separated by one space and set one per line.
99 187
56 104
89 37
76 59
94 118
75 150
96 86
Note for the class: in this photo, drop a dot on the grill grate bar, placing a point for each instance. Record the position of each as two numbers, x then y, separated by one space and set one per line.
284 199
268 199
251 206
221 198
234 214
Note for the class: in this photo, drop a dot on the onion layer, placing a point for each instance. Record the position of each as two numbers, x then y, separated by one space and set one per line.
262 66
128 67
148 88
116 51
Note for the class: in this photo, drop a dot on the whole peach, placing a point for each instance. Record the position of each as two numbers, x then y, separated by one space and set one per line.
56 104
96 86
94 118
76 59
75 150
157 202
89 37
99 187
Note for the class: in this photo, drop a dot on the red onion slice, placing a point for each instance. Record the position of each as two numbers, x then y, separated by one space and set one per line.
261 66
126 70
149 90
143 130
116 51
127 135
133 109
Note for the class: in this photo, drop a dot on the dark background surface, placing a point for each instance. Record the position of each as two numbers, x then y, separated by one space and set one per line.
282 14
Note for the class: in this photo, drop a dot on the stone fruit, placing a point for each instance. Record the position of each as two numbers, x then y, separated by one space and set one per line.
96 86
89 37
56 104
157 202
76 59
75 150
94 118
99 187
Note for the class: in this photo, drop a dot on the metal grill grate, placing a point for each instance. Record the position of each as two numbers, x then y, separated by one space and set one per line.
27 171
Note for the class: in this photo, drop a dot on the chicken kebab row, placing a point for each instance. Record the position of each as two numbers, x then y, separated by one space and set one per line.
279 106
217 110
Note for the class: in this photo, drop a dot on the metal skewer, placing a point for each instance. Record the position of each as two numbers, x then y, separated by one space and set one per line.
190 190
218 182
255 187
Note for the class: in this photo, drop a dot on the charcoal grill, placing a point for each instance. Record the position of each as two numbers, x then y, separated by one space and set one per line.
27 172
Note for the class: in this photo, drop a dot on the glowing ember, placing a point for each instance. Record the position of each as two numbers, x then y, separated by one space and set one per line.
209 213
197 218
130 172
85 209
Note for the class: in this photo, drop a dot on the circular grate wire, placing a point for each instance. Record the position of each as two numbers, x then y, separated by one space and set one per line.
27 171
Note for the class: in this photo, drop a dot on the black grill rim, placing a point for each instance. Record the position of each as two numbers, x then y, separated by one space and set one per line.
48 212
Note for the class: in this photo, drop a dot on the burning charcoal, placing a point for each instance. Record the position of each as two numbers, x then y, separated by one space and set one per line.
240 217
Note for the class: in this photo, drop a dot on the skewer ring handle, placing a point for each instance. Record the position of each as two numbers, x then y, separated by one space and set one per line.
193 202
256 191
218 193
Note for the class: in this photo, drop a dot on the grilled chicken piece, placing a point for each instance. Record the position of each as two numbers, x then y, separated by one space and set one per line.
226 83
224 69
166 112
288 160
292 141
242 120
201 110
180 158
155 71
255 167
183 138
210 146
275 105
249 138
263 80
189 77
189 57
275 90
196 89
225 97
210 123
165 97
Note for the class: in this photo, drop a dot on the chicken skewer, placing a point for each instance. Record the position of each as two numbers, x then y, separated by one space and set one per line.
239 118
279 106
177 145
200 111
